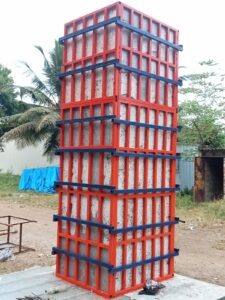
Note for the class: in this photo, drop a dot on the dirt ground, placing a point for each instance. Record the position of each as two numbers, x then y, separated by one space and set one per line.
40 236
202 251
202 245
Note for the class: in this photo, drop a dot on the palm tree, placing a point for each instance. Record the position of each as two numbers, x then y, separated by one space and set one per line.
38 123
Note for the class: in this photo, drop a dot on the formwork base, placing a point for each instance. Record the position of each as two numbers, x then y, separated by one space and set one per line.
106 295
98 292
40 279
115 262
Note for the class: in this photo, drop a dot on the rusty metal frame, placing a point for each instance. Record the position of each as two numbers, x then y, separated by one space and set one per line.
7 232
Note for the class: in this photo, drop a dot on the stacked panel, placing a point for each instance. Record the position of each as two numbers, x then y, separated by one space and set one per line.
117 151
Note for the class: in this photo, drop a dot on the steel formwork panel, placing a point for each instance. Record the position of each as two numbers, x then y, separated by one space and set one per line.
129 223
118 132
156 129
155 85
133 172
132 49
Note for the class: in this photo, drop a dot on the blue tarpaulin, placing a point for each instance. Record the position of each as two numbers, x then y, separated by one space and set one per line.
39 179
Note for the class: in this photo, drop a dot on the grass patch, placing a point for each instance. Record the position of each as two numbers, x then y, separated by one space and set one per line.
34 199
215 209
9 192
9 183
184 202
206 211
186 208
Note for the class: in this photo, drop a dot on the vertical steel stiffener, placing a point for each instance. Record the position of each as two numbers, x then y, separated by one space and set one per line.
117 188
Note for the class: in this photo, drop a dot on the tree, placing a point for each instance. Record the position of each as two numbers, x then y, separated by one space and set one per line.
8 103
200 125
38 123
201 112
7 94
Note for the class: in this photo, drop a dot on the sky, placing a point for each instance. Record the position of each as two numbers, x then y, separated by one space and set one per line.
25 23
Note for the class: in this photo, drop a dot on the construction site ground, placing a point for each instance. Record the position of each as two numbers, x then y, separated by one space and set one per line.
40 283
201 239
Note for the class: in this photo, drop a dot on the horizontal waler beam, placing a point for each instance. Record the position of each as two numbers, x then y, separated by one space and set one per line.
85 185
115 153
150 35
116 63
145 226
89 119
88 68
87 29
56 250
84 150
144 262
121 23
116 121
143 155
80 221
141 124
110 267
113 230
151 190
147 74
113 190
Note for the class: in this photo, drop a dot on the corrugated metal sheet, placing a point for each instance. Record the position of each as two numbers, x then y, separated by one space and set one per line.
185 168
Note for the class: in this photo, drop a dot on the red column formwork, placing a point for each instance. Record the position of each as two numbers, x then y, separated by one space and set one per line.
117 188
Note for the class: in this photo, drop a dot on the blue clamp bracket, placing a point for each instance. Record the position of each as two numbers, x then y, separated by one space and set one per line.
85 185
111 229
141 124
110 267
56 250
113 190
89 119
113 152
152 190
87 29
144 155
88 68
117 21
116 121
145 226
116 63
84 150
147 74
144 262
149 35
80 221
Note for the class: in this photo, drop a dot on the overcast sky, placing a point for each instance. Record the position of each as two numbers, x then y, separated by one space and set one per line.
25 23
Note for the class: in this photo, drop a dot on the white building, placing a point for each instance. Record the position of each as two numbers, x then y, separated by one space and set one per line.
15 160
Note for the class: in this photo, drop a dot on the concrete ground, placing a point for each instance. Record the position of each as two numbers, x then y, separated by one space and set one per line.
41 281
